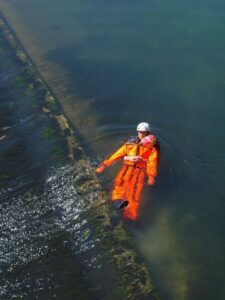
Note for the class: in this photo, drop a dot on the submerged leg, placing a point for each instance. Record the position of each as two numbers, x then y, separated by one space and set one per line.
134 194
119 189
127 190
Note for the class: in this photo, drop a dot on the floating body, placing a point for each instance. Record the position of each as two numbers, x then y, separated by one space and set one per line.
140 159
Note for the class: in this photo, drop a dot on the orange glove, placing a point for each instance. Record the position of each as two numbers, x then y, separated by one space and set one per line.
151 180
100 169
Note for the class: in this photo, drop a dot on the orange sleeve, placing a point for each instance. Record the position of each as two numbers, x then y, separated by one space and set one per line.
152 163
121 152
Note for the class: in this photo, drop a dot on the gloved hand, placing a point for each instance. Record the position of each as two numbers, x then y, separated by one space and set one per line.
133 158
100 169
151 180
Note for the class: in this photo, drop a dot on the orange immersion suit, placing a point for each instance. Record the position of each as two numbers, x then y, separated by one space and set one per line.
129 180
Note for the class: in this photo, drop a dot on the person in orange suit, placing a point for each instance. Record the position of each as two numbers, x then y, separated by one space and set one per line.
140 158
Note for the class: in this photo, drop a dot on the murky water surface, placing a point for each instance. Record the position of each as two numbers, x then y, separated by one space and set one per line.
114 64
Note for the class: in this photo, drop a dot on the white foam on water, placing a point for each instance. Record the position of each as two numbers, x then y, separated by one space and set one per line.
30 221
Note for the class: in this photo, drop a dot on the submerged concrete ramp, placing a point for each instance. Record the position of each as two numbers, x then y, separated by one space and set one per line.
102 243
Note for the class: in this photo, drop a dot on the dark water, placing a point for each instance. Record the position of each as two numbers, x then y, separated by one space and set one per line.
124 62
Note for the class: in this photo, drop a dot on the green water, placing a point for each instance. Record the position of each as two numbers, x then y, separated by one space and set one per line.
115 63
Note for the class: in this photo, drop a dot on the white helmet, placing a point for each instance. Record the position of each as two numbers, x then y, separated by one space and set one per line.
143 127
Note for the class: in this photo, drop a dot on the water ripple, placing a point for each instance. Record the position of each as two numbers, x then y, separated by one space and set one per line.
33 225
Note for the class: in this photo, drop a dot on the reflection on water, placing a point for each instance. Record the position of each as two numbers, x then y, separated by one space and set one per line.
164 248
187 250
115 64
